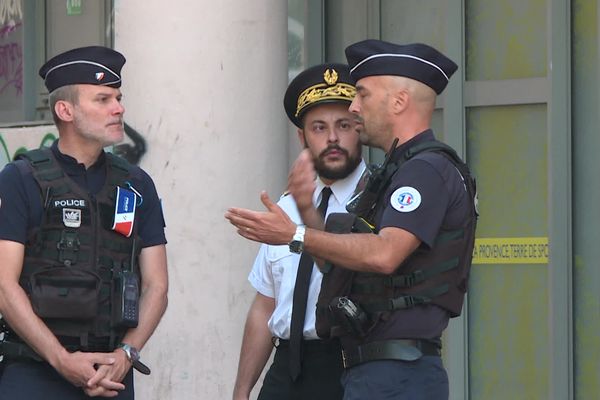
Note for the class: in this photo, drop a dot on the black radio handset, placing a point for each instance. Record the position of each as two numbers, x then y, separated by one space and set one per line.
127 296
363 203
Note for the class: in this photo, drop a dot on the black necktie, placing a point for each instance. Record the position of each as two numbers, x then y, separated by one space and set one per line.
305 268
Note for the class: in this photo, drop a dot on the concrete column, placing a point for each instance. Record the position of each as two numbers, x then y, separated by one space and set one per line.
204 82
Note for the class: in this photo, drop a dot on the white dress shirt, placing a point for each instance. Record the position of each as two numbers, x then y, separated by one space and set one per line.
274 271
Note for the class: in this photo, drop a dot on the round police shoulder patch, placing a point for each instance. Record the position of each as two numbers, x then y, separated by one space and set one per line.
405 199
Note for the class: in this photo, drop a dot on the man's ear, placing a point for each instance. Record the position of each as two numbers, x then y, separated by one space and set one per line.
400 101
301 137
64 110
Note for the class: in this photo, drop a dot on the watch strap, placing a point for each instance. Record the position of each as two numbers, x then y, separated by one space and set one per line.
135 361
141 367
297 243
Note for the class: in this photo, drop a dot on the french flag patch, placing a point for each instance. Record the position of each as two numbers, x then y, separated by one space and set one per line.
124 212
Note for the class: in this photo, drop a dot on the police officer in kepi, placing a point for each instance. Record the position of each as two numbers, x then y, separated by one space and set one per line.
396 268
83 282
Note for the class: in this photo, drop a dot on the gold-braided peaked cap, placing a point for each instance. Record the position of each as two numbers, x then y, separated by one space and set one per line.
322 83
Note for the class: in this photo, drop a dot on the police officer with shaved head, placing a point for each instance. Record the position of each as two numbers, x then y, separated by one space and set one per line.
287 282
83 282
395 268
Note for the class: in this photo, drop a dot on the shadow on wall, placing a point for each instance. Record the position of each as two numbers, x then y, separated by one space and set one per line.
14 141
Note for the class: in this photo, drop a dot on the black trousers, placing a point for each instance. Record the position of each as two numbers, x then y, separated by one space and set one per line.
34 380
319 379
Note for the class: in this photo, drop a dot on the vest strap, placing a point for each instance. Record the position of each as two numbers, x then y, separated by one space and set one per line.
53 254
119 170
121 247
59 190
50 174
449 236
432 146
55 235
403 302
43 164
379 283
420 275
36 156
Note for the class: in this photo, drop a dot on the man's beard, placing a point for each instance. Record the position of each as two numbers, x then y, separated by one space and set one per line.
339 172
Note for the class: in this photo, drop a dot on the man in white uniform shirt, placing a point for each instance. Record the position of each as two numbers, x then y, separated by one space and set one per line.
316 101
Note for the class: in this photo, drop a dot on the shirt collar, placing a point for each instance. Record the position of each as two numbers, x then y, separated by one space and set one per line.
71 165
425 136
341 189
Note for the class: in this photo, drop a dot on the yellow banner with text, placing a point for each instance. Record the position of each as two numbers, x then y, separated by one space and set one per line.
515 250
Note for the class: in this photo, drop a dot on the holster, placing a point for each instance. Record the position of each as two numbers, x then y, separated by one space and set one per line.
337 281
349 317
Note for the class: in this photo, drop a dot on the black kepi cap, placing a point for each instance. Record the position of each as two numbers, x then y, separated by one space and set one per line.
324 83
416 61
93 65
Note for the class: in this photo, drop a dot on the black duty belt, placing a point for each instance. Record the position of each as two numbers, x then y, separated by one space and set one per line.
400 349
17 351
316 345
101 345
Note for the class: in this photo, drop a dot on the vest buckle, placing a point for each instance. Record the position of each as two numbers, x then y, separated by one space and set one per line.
68 247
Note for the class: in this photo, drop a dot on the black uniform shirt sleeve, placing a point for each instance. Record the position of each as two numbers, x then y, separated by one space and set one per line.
416 178
15 204
151 223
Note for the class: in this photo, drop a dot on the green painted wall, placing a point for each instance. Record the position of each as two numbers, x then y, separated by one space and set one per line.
505 39
508 304
586 197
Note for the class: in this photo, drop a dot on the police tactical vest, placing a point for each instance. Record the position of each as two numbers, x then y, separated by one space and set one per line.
73 258
428 276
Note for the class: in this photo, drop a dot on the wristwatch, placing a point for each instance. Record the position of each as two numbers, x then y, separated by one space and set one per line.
297 243
133 355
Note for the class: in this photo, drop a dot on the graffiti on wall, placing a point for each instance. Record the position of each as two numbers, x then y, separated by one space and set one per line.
14 141
11 68
6 156
10 10
11 60
7 29
11 48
